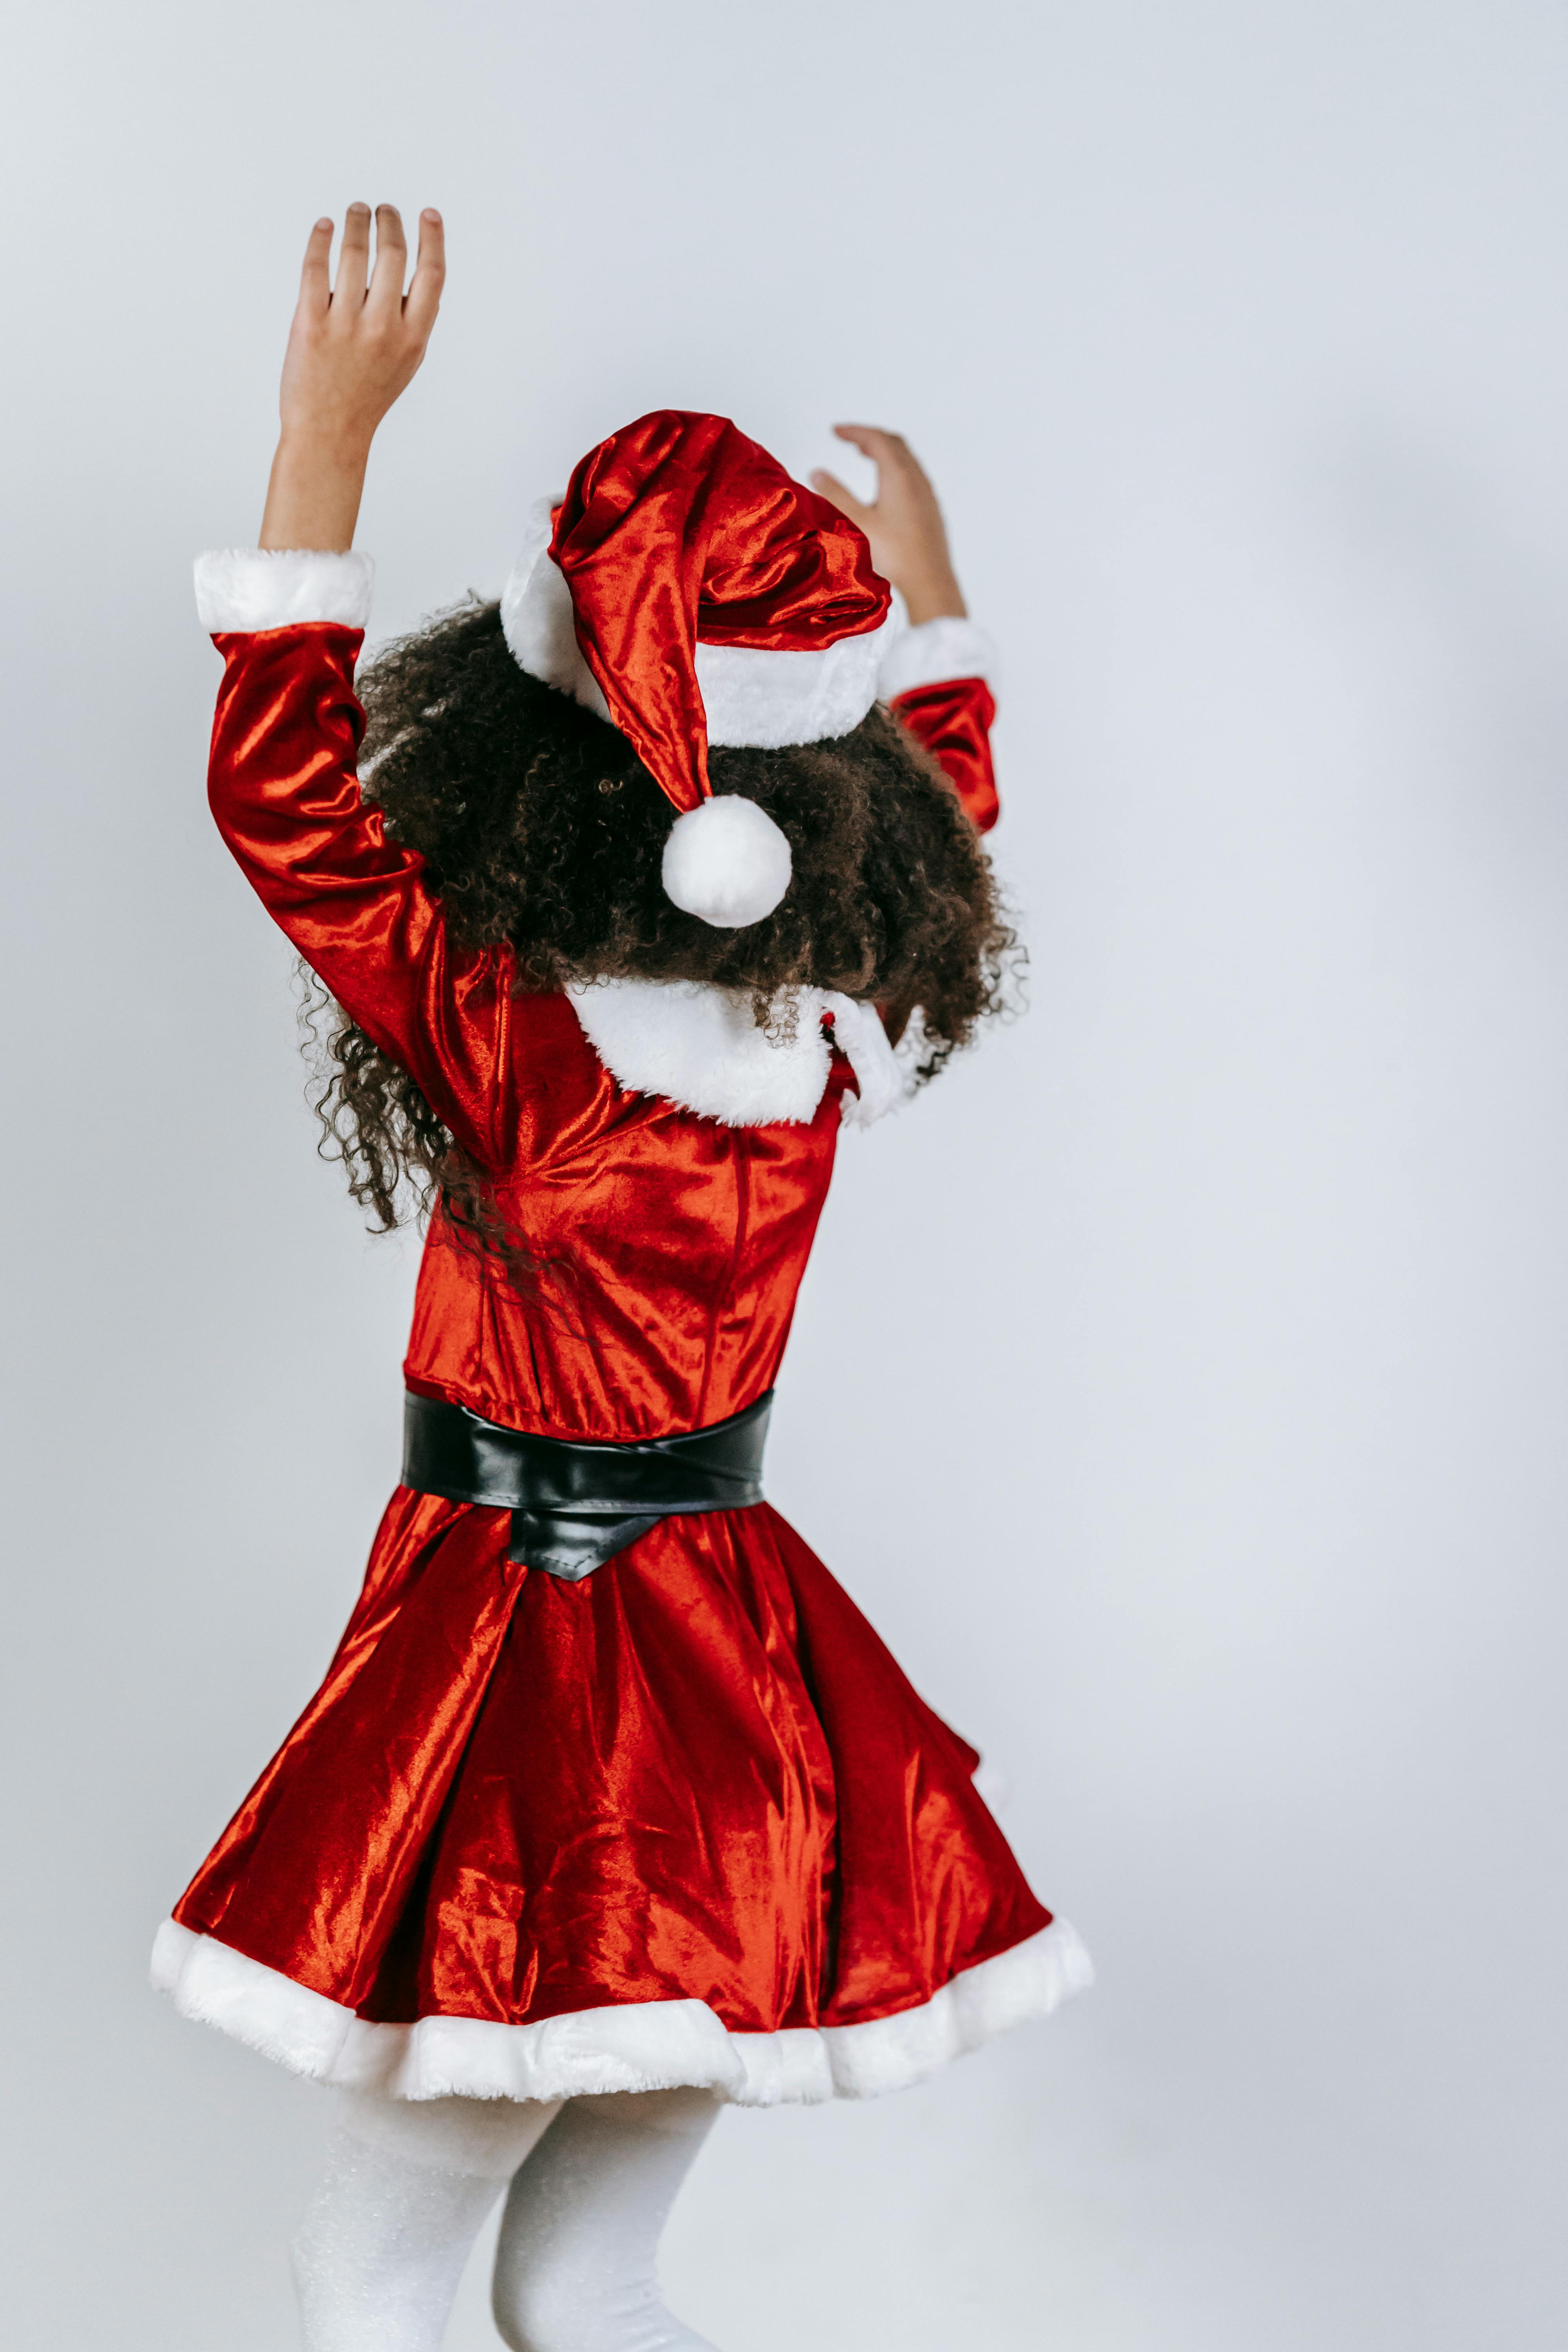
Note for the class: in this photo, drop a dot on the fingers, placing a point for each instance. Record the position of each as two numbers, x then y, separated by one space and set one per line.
353 260
316 276
872 442
424 297
828 485
391 260
890 451
359 286
897 465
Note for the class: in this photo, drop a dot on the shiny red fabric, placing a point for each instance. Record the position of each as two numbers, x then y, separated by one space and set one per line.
696 1774
953 719
679 530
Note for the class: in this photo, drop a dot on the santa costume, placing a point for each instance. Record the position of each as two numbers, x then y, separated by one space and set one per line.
609 1786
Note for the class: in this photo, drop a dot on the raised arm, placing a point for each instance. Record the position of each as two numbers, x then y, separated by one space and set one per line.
288 619
935 679
352 349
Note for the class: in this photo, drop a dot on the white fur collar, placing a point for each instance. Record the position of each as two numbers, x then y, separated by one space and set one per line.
701 1048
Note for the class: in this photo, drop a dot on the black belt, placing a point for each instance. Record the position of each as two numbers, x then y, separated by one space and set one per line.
574 1503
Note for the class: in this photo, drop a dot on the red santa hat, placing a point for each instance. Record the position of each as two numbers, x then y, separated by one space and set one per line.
692 594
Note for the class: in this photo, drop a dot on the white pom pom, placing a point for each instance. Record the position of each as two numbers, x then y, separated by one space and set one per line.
726 862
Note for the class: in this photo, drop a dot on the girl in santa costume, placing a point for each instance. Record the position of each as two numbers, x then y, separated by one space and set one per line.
612 1807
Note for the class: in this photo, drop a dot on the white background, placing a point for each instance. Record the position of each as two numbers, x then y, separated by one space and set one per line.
1180 1385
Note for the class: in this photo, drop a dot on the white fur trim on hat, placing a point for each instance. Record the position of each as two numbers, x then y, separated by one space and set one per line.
763 700
246 589
755 698
726 862
932 651
536 616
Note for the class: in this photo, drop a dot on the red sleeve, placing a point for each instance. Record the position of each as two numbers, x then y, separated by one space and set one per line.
284 789
953 719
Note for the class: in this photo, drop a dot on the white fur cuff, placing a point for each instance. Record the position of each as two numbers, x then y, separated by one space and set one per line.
246 589
933 651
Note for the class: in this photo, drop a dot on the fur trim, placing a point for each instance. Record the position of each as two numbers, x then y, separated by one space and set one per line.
246 589
754 698
537 620
933 651
763 699
861 1036
698 1048
646 2046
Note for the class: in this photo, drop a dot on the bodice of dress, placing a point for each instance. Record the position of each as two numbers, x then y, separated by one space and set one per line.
670 1250
666 1242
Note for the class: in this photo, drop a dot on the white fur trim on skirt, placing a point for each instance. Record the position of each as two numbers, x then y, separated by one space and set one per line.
652 2045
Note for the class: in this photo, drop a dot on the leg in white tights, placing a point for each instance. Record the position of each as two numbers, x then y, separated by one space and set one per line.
575 2269
407 2188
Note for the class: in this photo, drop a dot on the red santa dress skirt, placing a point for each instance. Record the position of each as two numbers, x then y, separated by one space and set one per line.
684 1820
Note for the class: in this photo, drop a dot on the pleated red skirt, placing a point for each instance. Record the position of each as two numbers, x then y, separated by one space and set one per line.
696 1777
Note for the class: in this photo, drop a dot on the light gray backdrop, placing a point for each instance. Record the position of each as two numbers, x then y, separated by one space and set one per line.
1180 1385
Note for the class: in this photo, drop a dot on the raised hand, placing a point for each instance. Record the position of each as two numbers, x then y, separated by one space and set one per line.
903 523
353 348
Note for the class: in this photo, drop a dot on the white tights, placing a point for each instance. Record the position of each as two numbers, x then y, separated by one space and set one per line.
407 2189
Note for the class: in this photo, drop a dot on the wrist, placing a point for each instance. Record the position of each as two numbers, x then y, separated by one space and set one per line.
314 490
322 443
932 595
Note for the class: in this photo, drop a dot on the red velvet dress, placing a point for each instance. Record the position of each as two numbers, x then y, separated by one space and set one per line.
684 1820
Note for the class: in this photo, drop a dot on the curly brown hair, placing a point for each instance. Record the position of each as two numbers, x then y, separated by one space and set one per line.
541 828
